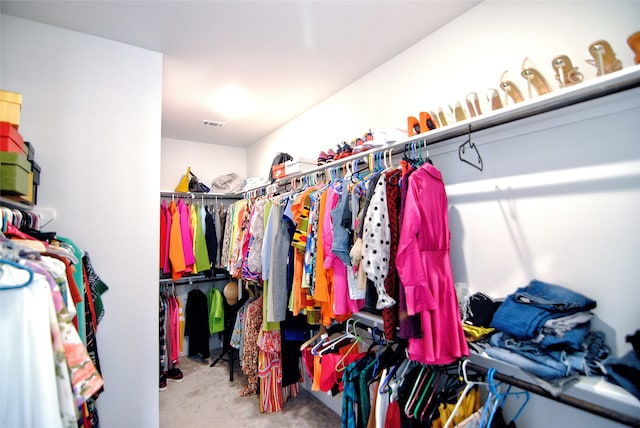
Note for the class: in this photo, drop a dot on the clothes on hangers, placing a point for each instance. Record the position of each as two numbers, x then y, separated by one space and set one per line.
42 354
249 361
186 238
216 310
424 267
197 324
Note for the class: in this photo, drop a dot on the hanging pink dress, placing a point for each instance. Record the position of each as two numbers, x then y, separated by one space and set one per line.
424 267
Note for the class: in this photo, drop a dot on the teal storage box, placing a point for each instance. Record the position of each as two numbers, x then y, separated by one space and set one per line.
14 174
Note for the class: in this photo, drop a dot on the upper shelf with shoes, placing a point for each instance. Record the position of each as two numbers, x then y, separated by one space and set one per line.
600 86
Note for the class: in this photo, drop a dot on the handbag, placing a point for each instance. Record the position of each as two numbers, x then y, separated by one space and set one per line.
196 186
190 183
183 186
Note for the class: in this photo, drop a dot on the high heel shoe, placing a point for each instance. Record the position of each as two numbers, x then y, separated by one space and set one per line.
435 119
426 122
493 97
473 104
413 126
566 73
510 90
603 58
442 118
634 43
459 112
535 79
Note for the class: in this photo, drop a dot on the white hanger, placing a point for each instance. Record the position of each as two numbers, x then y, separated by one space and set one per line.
465 391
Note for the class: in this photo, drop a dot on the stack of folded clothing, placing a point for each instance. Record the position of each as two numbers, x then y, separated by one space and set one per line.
545 329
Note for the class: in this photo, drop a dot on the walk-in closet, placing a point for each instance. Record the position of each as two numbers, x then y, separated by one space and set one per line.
427 217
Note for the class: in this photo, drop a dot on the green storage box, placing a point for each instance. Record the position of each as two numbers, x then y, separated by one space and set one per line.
14 173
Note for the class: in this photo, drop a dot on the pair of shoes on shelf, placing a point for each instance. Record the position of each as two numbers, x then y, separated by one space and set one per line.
344 150
326 157
535 81
460 113
424 123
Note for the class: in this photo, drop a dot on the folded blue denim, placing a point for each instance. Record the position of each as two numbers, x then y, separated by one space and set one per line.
551 370
625 371
570 340
585 360
524 312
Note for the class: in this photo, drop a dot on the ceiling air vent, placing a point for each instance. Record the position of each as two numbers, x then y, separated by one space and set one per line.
213 123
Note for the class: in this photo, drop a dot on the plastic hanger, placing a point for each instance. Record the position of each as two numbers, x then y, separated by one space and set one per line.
424 391
434 389
500 398
420 380
340 366
18 266
347 335
465 391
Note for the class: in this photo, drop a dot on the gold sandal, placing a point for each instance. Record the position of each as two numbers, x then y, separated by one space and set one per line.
566 73
510 90
603 58
535 79
634 43
493 97
459 112
435 119
442 117
473 104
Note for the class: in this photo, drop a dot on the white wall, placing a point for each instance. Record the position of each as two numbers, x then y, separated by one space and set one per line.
92 109
560 194
467 55
207 161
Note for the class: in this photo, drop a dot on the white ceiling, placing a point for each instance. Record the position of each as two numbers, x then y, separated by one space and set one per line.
287 55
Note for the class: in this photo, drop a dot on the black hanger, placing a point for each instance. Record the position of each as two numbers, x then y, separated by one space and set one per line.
469 150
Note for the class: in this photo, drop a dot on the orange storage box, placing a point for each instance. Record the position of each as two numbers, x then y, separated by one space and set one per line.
10 105
278 171
11 140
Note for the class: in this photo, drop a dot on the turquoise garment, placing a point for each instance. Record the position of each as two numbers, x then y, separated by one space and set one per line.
78 276
216 310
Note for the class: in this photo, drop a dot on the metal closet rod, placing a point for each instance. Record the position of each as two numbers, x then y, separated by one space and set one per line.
598 87
192 279
194 195
562 398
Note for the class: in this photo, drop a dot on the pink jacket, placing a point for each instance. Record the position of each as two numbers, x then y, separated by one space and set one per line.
424 267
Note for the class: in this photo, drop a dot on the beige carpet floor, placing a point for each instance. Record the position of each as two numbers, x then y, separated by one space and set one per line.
206 398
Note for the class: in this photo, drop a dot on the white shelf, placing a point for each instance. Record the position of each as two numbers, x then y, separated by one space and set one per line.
591 394
597 87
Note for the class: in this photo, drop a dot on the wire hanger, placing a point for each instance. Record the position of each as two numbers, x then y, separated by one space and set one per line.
468 148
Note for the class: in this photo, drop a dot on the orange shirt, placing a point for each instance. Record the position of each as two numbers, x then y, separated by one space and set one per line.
323 292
